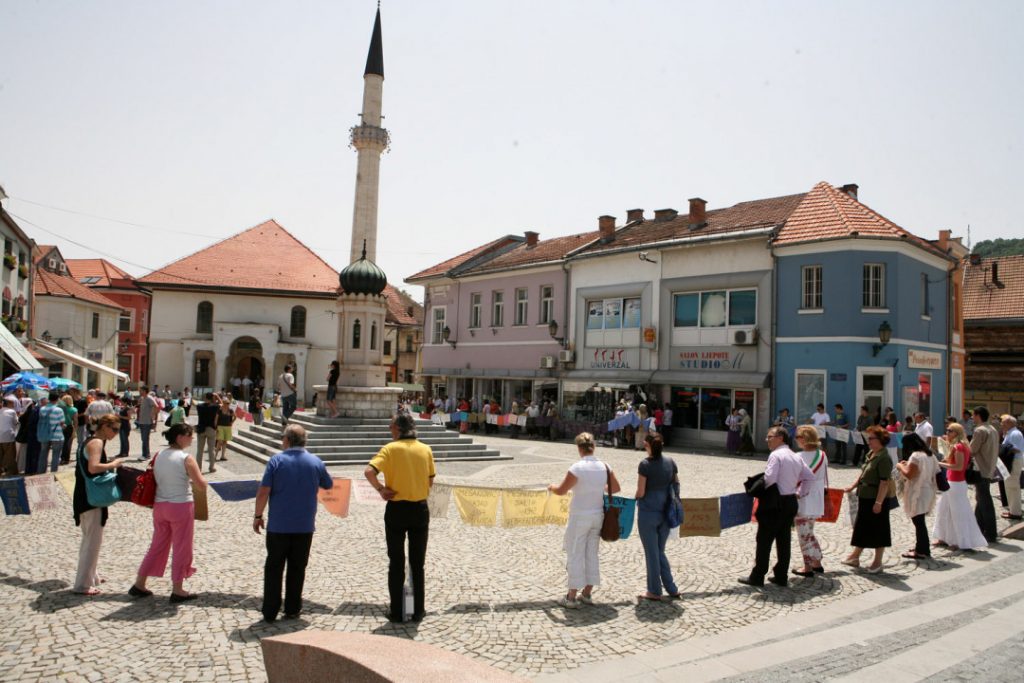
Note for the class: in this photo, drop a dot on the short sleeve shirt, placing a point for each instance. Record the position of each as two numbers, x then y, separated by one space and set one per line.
1014 439
819 419
591 478
294 476
659 472
876 470
284 384
407 466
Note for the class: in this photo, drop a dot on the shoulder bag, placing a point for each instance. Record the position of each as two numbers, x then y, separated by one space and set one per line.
144 493
610 525
101 490
674 506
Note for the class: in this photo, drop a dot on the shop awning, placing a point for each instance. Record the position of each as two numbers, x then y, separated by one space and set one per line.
16 352
406 387
57 352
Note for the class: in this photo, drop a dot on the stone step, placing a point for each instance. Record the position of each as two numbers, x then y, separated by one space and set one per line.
363 440
263 454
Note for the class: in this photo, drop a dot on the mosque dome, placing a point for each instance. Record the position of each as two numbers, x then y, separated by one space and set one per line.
363 276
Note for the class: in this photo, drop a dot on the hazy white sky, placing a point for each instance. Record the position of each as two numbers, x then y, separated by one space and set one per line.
195 120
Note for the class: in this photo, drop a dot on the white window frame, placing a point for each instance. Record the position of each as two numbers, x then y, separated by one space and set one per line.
498 308
475 309
131 320
873 288
438 317
522 306
547 304
812 301
795 410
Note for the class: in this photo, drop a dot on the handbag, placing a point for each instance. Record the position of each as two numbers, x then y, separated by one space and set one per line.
940 480
891 501
610 524
144 493
101 490
674 508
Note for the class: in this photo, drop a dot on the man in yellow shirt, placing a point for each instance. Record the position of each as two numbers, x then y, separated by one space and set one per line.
408 468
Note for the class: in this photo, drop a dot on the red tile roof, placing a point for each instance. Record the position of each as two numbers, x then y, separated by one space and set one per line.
828 213
399 306
96 267
552 249
751 215
46 283
265 257
445 266
984 300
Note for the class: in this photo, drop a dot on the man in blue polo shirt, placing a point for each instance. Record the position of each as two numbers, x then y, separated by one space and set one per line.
50 432
290 484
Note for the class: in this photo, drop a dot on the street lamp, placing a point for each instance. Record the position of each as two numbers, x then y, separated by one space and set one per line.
884 335
553 331
446 333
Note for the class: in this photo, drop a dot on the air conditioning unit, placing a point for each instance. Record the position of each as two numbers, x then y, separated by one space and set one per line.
565 356
547 361
745 336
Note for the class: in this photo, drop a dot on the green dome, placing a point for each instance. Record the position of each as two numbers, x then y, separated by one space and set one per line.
363 277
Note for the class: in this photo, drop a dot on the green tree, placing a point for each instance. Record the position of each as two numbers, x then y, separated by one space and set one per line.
999 247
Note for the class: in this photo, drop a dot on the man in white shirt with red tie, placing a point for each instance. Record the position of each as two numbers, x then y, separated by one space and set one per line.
788 473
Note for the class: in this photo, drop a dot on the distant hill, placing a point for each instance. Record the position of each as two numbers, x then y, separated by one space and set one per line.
999 247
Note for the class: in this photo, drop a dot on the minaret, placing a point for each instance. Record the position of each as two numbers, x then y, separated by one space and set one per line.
370 141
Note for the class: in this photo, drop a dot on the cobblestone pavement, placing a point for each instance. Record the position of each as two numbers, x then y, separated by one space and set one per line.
490 591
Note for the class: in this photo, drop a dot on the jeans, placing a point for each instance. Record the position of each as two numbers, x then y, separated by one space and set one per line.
291 550
401 518
144 430
123 434
207 437
288 405
654 533
56 447
922 547
774 526
985 510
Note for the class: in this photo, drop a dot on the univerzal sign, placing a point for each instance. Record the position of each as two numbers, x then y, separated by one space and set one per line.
612 359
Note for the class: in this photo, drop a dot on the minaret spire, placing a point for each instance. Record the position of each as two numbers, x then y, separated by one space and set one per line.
370 140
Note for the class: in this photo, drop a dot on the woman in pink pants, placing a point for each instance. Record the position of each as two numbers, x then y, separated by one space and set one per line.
175 471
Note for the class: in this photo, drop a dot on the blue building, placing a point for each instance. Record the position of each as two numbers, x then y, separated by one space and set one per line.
862 312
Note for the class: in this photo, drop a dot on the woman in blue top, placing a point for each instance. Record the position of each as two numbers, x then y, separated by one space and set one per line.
657 474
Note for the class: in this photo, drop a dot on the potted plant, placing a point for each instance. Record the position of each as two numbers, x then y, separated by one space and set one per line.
22 325
9 260
5 318
23 270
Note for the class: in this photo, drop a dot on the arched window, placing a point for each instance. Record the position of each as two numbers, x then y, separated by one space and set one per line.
204 318
373 336
298 327
357 331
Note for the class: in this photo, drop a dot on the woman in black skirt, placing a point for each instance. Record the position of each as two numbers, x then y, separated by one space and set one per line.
871 528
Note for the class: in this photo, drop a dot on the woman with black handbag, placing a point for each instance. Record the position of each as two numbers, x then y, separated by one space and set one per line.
657 488
589 478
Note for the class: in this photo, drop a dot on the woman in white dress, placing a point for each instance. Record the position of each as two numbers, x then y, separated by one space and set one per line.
955 525
812 505
918 472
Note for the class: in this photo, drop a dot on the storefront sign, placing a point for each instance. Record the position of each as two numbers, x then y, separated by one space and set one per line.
715 358
928 360
611 359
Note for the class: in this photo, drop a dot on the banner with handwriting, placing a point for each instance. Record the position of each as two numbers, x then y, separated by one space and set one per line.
556 509
522 508
41 492
439 500
700 517
477 507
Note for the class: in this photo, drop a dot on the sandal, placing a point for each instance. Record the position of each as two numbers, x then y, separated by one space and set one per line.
851 562
89 591
804 573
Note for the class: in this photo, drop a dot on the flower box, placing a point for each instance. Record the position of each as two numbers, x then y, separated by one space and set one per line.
23 270
10 261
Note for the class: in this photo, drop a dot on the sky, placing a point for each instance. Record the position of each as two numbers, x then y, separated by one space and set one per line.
145 131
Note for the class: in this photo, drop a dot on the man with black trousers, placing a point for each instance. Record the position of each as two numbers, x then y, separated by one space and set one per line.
408 468
290 484
984 451
206 431
784 476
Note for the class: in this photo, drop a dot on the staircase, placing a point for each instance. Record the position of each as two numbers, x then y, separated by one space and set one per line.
352 441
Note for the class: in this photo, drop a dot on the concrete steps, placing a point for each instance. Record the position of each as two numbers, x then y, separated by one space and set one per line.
348 441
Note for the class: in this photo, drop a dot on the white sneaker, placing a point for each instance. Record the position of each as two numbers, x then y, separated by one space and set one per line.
585 599
567 603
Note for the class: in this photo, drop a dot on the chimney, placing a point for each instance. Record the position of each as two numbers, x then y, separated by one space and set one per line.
944 236
850 189
665 214
606 224
975 259
698 213
531 238
995 275
634 215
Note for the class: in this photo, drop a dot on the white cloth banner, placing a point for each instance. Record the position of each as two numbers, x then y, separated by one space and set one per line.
438 501
831 432
363 492
822 432
842 435
858 438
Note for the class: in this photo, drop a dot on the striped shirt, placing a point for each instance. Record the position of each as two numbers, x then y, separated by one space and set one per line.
51 424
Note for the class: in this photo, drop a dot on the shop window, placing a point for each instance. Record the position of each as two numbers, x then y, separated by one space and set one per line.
715 405
685 407
810 391
204 318
547 304
873 286
612 314
743 307
918 398
298 322
522 302
474 309
811 288
55 370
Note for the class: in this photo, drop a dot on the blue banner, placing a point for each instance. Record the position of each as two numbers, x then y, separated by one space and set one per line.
236 490
12 493
627 515
735 509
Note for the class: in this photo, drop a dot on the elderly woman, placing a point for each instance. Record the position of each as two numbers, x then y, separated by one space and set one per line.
955 525
92 519
871 527
746 433
657 476
175 470
812 505
644 429
732 436
918 469
589 478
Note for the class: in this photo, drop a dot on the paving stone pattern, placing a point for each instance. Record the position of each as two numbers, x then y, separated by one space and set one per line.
490 591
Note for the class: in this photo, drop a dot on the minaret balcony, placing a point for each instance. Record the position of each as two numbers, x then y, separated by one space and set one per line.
371 137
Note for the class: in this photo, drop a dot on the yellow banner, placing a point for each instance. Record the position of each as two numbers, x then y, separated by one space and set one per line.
477 507
66 478
556 509
700 517
522 508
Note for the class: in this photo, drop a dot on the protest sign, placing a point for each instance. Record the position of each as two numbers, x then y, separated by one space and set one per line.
556 509
41 492
734 510
12 493
200 504
627 514
477 507
235 491
700 517
522 508
438 501
363 492
335 499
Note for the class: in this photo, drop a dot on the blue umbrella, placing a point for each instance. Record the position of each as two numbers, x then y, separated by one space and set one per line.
62 384
25 380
